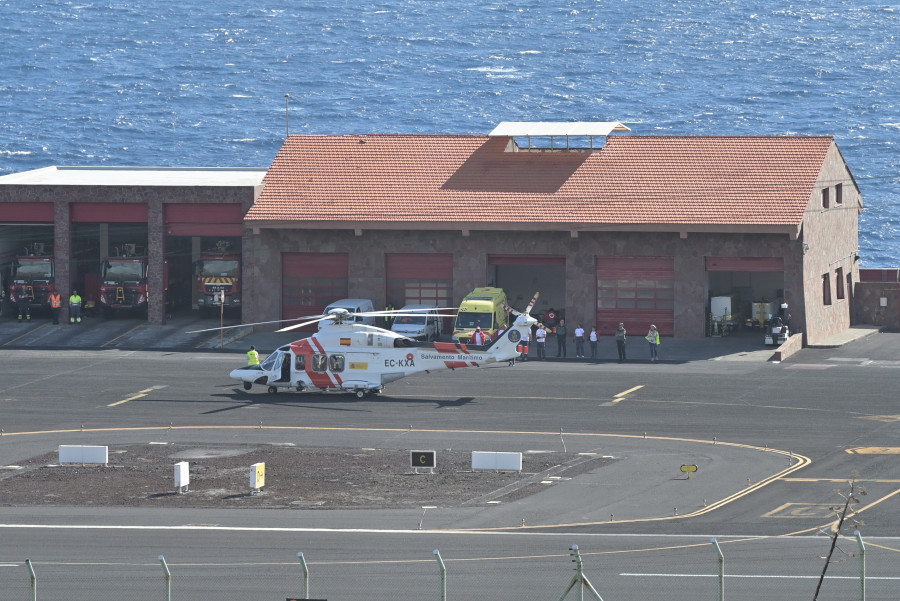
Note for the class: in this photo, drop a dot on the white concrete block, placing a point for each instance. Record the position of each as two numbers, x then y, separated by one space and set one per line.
495 460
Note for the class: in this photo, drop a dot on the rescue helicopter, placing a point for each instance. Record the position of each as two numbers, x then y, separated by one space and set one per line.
352 357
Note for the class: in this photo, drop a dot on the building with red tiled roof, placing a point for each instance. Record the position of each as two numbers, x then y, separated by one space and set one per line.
645 229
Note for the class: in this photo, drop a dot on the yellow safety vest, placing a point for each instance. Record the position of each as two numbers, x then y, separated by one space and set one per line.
252 358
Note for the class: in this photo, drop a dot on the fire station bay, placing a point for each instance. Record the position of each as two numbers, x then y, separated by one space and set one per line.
608 225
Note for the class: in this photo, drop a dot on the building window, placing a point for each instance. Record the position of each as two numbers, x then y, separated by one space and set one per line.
826 289
838 194
839 282
825 202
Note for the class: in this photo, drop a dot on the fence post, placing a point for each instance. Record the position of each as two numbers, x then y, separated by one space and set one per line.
162 561
862 566
721 569
305 575
33 579
443 569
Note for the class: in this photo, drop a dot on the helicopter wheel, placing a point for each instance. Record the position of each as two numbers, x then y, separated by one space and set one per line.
272 390
360 394
247 385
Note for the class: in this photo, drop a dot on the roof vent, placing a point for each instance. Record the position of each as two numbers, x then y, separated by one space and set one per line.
579 135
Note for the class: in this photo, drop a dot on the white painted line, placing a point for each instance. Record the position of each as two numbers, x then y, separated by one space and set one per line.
759 576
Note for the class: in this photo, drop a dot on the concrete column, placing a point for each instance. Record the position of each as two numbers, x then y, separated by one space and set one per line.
62 255
156 254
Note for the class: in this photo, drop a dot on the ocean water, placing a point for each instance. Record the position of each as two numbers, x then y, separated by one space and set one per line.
191 83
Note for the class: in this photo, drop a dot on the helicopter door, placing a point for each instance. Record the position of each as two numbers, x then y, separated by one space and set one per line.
278 369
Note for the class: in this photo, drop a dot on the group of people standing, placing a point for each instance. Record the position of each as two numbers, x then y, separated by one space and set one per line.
54 301
561 332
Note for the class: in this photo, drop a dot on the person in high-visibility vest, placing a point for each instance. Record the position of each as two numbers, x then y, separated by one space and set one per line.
479 337
388 319
252 356
55 304
75 307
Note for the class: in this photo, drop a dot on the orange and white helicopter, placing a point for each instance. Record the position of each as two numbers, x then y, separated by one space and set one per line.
359 358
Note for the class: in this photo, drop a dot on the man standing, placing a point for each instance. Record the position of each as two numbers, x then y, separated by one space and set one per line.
620 342
55 304
252 356
541 337
479 338
24 303
561 338
75 307
579 341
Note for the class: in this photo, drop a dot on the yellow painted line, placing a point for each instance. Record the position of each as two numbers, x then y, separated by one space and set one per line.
120 336
801 461
629 391
43 325
874 451
833 523
839 480
621 395
139 395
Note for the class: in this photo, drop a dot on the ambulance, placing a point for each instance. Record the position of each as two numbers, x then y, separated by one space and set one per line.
484 308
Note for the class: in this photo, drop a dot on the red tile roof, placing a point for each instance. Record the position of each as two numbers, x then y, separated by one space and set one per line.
467 179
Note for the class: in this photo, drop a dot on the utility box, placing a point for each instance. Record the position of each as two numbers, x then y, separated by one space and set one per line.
182 476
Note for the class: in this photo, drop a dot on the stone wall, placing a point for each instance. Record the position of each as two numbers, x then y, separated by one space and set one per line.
867 304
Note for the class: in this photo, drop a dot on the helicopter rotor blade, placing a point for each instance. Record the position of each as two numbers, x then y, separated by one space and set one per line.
247 325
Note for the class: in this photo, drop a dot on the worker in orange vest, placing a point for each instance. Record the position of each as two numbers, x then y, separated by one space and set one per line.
55 304
479 337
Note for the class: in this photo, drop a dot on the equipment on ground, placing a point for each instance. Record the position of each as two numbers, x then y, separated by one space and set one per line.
355 357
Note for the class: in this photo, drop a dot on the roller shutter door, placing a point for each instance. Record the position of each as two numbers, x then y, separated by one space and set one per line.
310 281
108 212
184 219
636 291
419 278
26 212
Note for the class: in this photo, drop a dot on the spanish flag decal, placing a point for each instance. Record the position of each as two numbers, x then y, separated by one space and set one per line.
345 342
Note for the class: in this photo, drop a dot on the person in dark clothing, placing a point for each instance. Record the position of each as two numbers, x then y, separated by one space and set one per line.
620 342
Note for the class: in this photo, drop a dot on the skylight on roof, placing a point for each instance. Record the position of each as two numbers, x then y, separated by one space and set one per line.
577 134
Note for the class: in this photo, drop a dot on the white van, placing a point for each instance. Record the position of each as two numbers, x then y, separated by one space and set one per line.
354 305
425 325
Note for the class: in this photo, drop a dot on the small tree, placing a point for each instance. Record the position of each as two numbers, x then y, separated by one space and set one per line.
843 514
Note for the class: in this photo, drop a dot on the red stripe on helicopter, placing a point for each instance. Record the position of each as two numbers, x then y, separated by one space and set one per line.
320 379
450 347
456 364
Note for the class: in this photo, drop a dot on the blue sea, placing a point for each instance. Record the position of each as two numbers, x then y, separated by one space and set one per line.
191 83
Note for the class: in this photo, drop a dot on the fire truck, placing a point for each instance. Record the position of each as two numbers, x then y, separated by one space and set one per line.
123 279
219 277
32 275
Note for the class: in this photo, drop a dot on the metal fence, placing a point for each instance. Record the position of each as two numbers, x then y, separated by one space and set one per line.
735 569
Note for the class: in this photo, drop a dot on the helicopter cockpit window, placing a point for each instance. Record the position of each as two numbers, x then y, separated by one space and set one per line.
271 361
320 363
336 362
300 363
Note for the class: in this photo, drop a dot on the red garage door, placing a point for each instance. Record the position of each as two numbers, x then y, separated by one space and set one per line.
636 291
183 219
425 279
26 212
310 281
108 212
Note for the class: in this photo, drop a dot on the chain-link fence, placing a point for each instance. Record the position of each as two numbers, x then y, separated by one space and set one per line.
631 569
